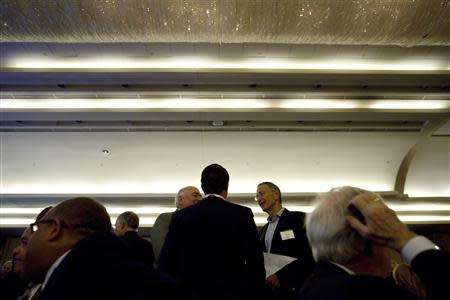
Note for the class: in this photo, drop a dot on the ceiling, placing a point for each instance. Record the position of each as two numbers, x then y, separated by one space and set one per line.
357 22
339 87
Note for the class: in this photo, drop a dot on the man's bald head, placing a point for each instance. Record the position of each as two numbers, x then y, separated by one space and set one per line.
82 215
59 230
187 196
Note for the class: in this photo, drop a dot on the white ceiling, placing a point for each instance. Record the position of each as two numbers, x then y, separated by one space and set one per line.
362 51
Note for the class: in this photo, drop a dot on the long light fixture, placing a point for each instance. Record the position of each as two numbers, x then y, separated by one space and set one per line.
205 64
416 213
259 220
218 103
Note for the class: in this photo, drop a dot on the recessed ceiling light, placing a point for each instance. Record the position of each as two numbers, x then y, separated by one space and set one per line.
105 152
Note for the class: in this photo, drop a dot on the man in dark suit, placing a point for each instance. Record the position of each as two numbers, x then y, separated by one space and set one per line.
352 232
284 234
126 227
74 254
213 246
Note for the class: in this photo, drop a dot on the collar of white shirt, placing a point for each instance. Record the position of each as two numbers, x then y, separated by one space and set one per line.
279 213
347 270
215 195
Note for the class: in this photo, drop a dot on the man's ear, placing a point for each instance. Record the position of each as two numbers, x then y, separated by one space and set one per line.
56 230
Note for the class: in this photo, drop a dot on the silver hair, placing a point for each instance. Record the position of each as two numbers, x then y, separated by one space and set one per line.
329 234
178 196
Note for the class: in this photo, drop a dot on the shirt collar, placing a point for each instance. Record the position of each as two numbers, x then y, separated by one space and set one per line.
53 267
347 270
278 214
215 195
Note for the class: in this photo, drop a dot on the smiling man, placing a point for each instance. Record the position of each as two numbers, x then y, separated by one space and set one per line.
284 234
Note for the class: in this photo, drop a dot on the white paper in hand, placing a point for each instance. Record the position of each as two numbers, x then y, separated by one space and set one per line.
274 262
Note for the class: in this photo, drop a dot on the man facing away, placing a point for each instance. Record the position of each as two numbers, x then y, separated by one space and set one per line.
126 227
213 246
185 197
284 234
352 232
74 254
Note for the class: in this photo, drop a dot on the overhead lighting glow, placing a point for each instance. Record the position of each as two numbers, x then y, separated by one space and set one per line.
22 216
424 218
259 220
317 104
113 104
410 104
420 207
199 64
113 210
10 222
217 103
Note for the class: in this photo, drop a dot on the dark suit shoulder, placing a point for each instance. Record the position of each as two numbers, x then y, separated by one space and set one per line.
293 215
329 282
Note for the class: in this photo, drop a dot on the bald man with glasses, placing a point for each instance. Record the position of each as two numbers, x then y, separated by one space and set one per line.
73 252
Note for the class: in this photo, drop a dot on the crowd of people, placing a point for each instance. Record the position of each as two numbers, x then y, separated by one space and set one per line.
210 248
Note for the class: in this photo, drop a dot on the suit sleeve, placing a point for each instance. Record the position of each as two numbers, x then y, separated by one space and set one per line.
159 232
256 273
433 268
168 255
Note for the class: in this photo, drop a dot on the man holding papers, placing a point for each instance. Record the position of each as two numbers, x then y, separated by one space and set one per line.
284 240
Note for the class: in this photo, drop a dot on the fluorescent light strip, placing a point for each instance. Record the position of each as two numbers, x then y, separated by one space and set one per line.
115 210
424 218
408 104
218 103
203 63
149 221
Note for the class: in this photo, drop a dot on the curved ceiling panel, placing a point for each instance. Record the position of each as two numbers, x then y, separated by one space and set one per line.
368 22
429 173
162 162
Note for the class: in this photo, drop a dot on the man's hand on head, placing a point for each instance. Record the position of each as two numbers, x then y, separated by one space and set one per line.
381 223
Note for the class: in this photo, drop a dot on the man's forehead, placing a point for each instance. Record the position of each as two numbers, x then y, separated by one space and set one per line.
263 187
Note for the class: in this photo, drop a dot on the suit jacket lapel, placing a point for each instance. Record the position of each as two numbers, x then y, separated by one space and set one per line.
281 226
262 237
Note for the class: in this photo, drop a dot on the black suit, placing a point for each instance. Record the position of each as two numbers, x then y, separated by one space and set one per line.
100 267
140 248
213 247
292 275
330 282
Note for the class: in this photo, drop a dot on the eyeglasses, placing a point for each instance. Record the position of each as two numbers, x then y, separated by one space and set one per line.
35 226
259 195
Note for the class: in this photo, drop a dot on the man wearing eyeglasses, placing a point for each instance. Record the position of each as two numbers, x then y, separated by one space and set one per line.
73 252
284 234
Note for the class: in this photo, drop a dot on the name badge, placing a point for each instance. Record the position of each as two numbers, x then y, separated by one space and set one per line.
287 235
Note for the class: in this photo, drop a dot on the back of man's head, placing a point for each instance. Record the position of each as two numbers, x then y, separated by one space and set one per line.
82 215
215 179
130 219
329 234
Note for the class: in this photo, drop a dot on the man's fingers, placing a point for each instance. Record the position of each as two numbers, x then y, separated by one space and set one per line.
360 227
364 201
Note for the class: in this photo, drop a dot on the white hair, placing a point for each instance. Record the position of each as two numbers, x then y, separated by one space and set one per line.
329 234
179 194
